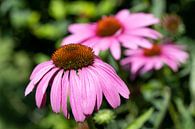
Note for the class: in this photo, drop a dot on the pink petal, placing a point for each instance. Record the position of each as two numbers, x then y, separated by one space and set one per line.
145 32
175 53
158 64
104 43
126 42
88 91
80 28
99 62
141 20
38 68
123 15
75 97
136 64
75 38
173 65
148 66
118 83
65 94
56 92
125 61
130 52
115 49
41 73
42 86
110 93
138 41
93 43
97 87
29 88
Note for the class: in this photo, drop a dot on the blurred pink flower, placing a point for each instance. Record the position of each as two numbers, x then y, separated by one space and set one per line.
146 59
77 76
127 29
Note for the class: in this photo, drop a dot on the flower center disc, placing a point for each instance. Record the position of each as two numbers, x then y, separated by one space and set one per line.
108 26
73 56
154 51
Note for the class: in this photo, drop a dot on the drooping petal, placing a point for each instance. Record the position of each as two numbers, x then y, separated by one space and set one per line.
125 61
115 49
88 91
93 43
97 86
123 15
127 42
29 88
173 65
75 97
130 52
141 20
134 41
145 32
42 86
111 94
104 43
56 92
117 82
175 53
39 67
75 38
65 93
149 65
82 28
41 73
136 64
99 62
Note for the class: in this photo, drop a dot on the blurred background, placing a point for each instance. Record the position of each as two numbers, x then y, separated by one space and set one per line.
31 30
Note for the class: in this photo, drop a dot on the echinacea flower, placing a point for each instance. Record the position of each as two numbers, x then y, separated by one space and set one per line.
127 29
146 59
77 76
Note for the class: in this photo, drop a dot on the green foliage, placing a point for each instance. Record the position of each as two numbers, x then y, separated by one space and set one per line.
55 121
138 123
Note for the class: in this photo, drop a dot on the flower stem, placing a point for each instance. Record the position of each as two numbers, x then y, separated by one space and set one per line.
90 123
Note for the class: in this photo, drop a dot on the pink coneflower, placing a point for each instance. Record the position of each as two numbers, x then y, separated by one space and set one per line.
146 59
77 76
128 29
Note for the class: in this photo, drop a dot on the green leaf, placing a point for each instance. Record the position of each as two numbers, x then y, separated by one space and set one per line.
158 7
57 9
106 6
22 18
138 123
82 8
50 30
159 96
192 75
39 58
56 121
187 120
140 6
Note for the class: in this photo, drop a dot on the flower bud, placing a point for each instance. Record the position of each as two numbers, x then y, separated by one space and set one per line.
104 116
172 23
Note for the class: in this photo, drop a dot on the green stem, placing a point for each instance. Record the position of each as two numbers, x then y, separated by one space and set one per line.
90 123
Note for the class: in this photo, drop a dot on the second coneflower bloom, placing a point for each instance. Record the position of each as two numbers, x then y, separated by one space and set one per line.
145 59
127 29
76 75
